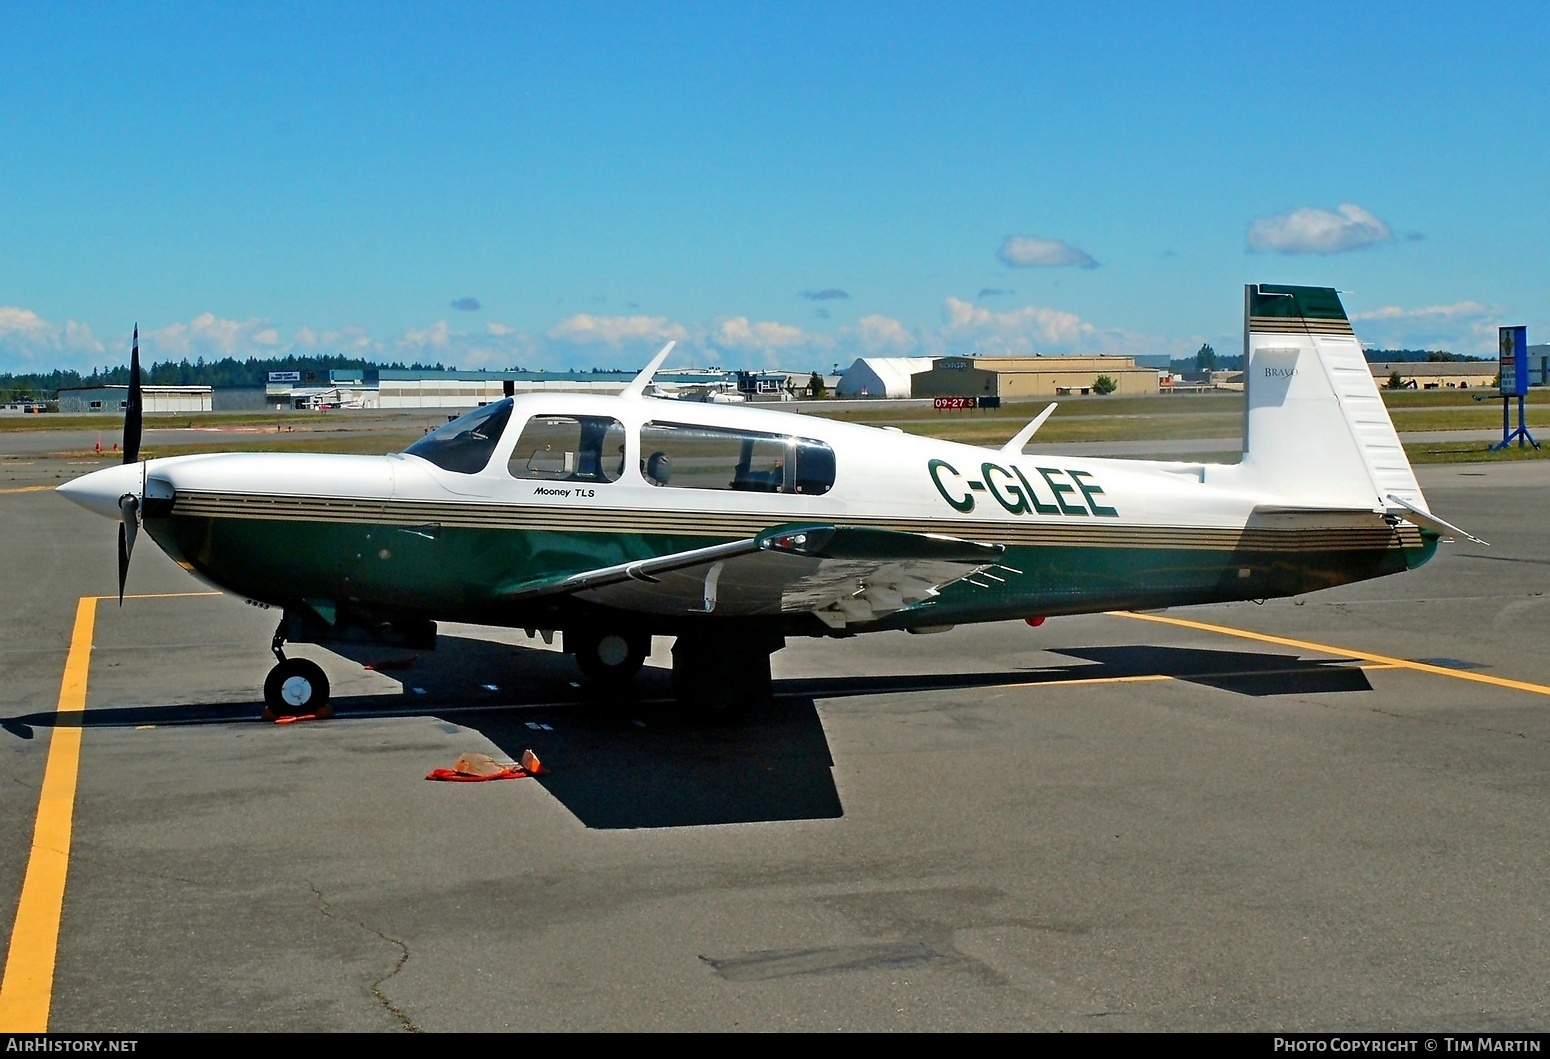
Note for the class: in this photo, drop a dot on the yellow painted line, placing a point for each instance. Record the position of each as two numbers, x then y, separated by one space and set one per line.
26 489
1341 652
28 985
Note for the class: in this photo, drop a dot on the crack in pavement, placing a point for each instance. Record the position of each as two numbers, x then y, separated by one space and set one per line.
398 965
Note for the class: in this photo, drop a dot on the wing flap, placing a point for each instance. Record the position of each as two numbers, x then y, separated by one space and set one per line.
843 575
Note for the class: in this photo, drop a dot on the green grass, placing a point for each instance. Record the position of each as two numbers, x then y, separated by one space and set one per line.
302 421
1469 452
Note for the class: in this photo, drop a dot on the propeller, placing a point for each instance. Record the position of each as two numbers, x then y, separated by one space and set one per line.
135 406
129 503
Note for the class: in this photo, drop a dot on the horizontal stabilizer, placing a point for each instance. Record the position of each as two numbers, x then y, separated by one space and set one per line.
1426 520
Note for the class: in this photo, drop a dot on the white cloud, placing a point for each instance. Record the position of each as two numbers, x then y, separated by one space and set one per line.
1431 312
1017 332
212 337
884 335
615 331
1462 327
353 341
1029 251
579 341
1315 231
738 334
495 346
24 325
437 337
30 343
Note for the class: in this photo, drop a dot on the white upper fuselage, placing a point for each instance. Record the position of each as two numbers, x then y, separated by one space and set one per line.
880 474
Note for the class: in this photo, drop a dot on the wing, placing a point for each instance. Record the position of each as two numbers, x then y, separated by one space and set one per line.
843 575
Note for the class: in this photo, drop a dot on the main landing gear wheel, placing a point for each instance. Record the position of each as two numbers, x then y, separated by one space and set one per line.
609 659
296 687
720 679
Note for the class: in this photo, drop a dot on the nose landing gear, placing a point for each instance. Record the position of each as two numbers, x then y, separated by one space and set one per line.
295 687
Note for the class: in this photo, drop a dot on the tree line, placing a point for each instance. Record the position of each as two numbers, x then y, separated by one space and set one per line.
229 373
226 373
1207 359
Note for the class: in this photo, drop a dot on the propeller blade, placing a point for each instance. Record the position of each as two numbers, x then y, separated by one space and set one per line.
129 513
135 406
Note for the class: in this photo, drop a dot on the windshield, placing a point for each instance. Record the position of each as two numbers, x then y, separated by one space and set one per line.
465 444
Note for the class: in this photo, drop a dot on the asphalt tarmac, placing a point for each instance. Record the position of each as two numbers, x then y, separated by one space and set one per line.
1324 813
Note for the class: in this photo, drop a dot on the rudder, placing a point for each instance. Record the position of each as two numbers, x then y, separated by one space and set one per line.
1316 430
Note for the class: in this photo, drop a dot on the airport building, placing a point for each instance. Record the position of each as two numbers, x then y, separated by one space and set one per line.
1539 365
1442 375
114 399
318 391
397 388
469 389
974 376
881 376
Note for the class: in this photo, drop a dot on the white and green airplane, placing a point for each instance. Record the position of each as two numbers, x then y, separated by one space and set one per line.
614 519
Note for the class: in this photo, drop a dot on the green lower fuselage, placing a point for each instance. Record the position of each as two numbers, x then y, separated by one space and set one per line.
469 574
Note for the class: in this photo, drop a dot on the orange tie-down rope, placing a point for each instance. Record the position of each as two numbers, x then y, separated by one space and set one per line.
476 768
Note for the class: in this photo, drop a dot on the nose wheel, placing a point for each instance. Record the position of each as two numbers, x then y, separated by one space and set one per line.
295 688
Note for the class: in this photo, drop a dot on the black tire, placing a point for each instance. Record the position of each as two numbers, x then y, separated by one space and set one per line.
296 687
608 657
719 681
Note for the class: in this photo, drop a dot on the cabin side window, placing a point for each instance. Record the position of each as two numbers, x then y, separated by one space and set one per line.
465 444
693 457
554 448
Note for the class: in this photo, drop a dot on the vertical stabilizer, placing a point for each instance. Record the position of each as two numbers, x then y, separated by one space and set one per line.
1317 432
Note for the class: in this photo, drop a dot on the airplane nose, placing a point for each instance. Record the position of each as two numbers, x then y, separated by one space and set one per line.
99 491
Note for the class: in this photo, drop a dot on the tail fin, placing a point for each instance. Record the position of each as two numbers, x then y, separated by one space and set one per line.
1316 430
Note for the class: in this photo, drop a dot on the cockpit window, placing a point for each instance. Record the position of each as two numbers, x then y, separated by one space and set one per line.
569 449
465 444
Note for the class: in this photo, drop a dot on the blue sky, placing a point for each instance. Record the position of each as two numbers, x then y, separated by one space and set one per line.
793 185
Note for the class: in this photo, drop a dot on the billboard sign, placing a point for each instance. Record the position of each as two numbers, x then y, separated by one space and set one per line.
1513 360
285 376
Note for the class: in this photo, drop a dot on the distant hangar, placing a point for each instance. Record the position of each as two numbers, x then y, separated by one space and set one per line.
985 376
114 399
1030 376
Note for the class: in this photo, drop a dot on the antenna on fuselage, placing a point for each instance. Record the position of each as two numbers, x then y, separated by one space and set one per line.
637 386
1015 446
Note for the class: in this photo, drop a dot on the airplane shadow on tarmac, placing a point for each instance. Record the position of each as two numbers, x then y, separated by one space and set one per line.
639 762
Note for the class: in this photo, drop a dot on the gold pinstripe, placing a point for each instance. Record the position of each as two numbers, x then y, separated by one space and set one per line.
1027 532
1293 325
